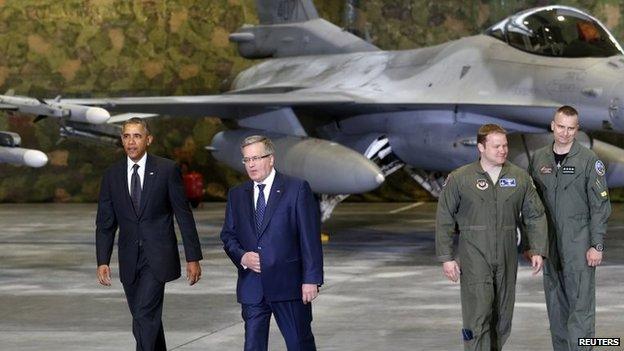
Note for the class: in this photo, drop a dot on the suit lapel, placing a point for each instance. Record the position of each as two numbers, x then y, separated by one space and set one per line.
249 195
148 182
123 179
274 198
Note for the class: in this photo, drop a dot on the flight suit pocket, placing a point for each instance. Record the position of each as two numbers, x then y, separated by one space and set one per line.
579 226
475 227
569 179
512 232
473 264
473 234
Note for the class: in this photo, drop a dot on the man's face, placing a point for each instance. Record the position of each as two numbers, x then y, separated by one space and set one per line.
257 170
564 128
494 152
135 141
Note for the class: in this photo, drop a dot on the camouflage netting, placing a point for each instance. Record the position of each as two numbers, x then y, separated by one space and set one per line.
115 47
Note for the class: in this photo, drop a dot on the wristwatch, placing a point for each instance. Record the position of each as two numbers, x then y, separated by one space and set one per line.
598 247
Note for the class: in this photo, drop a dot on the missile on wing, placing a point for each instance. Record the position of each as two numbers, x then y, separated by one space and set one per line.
329 167
25 104
84 114
10 139
10 152
21 156
103 134
54 108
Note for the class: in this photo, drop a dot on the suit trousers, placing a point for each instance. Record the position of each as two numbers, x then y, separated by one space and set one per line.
145 299
293 319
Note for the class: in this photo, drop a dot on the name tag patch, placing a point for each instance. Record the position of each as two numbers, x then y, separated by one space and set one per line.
567 169
507 182
546 170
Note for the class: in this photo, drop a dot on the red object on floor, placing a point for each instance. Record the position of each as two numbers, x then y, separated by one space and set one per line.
194 187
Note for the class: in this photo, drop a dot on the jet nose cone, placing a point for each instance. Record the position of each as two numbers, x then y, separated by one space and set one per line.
35 158
97 115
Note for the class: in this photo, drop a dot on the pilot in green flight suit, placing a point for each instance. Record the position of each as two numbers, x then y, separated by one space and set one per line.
571 183
486 201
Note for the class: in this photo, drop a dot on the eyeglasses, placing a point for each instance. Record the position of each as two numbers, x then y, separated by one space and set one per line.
247 160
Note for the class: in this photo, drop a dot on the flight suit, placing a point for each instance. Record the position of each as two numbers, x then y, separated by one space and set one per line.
577 207
487 215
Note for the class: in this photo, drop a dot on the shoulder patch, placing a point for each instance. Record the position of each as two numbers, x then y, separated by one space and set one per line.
600 168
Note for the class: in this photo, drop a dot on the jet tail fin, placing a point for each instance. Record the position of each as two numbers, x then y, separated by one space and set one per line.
285 11
293 28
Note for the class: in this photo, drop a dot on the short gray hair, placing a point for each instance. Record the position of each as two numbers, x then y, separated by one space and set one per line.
252 139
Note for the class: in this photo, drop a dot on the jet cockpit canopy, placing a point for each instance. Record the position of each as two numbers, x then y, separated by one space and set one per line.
558 31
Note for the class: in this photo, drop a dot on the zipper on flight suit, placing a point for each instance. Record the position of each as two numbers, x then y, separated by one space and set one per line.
497 228
556 202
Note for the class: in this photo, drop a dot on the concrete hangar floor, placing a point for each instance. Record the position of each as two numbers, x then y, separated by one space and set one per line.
384 290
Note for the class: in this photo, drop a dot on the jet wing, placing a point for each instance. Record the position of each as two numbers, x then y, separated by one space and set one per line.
222 106
338 104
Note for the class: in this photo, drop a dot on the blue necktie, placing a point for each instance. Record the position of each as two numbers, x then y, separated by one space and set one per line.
260 207
135 186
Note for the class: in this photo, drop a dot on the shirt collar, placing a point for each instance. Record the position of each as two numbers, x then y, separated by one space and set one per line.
141 162
574 149
268 181
479 169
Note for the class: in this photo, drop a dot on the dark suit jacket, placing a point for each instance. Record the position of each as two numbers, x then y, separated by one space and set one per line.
289 242
162 197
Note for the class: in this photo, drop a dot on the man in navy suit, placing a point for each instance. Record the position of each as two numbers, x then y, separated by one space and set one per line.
272 234
140 195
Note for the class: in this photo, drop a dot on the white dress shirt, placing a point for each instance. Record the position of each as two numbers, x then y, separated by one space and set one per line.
140 171
268 181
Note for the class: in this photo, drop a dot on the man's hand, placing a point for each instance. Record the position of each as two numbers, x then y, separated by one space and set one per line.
309 292
104 274
193 272
594 257
537 262
451 270
251 260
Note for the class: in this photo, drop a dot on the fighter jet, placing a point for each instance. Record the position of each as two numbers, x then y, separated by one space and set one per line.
345 114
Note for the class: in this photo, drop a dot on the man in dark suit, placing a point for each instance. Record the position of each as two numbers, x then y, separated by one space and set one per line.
272 234
139 195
